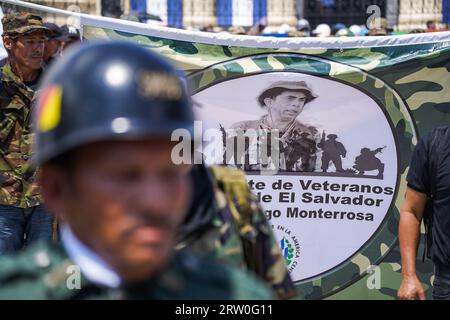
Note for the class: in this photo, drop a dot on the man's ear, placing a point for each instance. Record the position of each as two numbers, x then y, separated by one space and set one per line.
8 42
268 102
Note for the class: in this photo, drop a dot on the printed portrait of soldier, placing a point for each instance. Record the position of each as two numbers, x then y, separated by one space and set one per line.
282 139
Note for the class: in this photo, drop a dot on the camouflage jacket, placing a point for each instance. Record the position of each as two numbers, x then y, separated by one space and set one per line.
44 272
240 234
263 124
17 179
286 136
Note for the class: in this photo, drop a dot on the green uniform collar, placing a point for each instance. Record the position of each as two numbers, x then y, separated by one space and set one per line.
10 78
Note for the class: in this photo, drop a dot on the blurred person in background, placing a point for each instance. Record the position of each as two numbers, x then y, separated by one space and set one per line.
53 45
236 30
379 27
336 27
431 26
23 218
258 28
322 31
344 33
304 27
356 30
3 54
70 36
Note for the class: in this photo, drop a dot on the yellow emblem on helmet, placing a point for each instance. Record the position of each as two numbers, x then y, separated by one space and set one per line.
49 108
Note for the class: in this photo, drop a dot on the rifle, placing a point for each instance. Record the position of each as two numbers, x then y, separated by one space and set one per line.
379 149
224 132
322 140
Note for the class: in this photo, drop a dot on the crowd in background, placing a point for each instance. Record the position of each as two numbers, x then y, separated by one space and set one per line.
303 29
374 27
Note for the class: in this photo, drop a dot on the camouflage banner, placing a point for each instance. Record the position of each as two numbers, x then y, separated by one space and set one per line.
324 129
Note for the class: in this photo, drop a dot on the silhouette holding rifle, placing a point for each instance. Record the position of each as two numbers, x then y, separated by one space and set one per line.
367 161
332 152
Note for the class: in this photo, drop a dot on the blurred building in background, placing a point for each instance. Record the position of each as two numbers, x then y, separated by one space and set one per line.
402 15
414 14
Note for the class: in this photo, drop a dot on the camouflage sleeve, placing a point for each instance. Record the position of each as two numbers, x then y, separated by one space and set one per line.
267 260
8 119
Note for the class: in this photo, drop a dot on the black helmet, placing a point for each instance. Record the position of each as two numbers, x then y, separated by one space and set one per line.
104 91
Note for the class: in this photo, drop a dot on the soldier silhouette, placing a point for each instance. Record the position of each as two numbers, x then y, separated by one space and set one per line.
367 161
301 147
314 137
265 147
224 143
236 146
229 142
332 151
246 151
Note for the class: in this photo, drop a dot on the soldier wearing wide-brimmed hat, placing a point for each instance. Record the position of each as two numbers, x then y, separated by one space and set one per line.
284 101
333 150
20 23
281 86
21 207
24 36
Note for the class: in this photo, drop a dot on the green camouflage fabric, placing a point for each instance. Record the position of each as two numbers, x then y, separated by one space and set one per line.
22 23
411 83
18 186
44 272
240 234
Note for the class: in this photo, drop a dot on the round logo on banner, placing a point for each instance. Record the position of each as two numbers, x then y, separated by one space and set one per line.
289 246
321 144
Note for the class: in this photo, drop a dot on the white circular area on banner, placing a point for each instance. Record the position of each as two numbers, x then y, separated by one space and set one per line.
323 218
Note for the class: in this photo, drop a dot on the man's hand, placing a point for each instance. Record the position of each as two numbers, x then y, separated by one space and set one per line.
411 289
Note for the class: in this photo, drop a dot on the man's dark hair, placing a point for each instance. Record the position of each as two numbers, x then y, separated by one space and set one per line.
418 30
111 8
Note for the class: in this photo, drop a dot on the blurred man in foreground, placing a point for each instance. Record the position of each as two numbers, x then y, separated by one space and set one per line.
103 143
